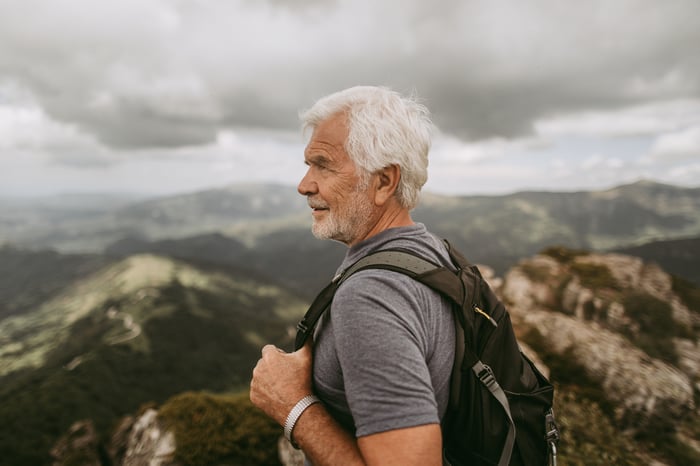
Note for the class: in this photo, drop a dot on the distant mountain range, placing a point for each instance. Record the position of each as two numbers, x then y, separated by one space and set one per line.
494 230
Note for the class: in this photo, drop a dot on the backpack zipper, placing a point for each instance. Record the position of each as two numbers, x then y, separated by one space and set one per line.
478 310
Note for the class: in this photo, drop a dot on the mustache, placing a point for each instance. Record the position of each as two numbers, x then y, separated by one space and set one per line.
316 203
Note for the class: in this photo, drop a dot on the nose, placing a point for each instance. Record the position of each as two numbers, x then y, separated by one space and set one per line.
307 186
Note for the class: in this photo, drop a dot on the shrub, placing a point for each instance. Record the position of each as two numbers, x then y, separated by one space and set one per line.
536 273
656 325
220 429
687 291
563 254
588 435
594 276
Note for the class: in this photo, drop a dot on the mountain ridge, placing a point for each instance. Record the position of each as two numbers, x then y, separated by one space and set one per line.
138 330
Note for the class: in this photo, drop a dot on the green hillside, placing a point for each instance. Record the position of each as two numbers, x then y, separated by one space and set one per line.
141 330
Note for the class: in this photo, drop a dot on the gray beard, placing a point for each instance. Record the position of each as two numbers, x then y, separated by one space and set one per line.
348 224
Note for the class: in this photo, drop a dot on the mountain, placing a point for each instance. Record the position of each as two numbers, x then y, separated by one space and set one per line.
497 230
137 330
618 337
291 258
679 256
258 208
273 222
32 277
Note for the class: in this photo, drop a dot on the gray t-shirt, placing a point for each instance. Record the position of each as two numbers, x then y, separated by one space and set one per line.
383 353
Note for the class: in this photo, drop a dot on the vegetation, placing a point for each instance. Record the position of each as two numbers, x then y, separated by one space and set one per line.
220 429
536 273
687 291
563 254
594 276
193 339
656 325
588 436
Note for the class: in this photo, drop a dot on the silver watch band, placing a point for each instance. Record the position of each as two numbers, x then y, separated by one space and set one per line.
294 415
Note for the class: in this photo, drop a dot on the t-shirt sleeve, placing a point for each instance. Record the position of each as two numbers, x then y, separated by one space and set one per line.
382 342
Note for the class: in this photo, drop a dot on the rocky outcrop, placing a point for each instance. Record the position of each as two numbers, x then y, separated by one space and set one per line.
647 393
149 444
140 441
135 442
591 327
289 456
79 445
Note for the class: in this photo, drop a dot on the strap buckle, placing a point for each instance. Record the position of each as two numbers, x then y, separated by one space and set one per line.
486 376
552 436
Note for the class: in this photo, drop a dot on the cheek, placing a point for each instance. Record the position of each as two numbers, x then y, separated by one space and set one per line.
338 189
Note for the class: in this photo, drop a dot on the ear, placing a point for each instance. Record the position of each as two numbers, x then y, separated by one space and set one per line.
386 181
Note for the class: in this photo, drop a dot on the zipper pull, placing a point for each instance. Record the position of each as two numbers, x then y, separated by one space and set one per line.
478 310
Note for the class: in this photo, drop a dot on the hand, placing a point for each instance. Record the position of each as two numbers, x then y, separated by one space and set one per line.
280 380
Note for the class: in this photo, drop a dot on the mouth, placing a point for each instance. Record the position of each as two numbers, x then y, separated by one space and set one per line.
318 210
317 207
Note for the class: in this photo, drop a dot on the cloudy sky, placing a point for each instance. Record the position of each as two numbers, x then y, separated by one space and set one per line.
165 96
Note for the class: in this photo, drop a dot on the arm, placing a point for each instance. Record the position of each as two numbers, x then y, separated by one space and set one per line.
281 379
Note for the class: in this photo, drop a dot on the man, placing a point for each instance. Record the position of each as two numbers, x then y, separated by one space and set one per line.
382 356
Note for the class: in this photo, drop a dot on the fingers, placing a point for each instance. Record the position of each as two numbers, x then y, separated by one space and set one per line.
269 348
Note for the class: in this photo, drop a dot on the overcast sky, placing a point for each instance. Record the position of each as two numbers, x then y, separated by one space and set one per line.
165 96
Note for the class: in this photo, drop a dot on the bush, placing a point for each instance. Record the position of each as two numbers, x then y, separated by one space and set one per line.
687 291
656 325
536 273
220 429
588 436
563 254
594 276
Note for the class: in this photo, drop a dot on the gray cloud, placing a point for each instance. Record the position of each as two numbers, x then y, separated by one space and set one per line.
153 74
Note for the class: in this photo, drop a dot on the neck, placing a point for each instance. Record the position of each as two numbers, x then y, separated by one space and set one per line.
392 217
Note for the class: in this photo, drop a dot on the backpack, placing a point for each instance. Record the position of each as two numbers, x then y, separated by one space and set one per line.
500 408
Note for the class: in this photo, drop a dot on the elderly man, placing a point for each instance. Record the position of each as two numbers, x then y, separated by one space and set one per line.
382 357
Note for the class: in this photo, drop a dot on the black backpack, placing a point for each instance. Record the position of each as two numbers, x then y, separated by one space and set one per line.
500 410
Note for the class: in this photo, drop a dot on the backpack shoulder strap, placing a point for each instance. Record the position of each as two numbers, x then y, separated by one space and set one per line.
389 259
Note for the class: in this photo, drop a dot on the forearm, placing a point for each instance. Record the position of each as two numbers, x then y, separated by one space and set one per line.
324 441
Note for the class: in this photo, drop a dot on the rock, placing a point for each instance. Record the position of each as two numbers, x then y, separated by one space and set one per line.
78 446
647 393
289 456
120 440
149 444
581 324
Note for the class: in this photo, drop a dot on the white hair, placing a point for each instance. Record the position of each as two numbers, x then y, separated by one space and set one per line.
384 128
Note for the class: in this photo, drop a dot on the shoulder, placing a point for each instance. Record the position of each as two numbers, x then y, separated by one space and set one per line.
374 290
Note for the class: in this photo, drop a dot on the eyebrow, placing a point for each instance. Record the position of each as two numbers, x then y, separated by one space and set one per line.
317 159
